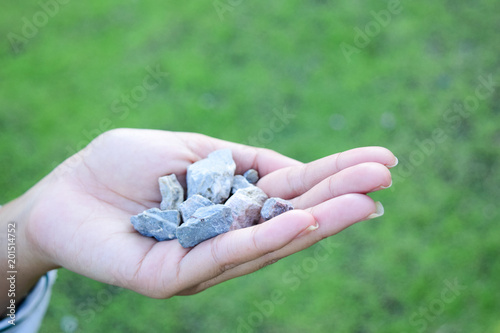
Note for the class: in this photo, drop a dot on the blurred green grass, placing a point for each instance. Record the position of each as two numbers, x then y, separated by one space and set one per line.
226 78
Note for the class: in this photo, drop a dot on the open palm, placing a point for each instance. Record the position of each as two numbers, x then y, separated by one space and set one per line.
82 221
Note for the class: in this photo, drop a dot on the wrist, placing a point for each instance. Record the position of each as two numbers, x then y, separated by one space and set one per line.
21 259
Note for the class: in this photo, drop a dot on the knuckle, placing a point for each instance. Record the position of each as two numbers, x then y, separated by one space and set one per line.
221 258
269 262
332 187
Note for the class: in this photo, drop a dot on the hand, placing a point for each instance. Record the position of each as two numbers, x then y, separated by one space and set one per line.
79 214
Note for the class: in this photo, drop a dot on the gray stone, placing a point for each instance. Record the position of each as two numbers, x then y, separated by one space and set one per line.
274 207
239 182
252 176
212 177
245 206
172 192
191 205
205 223
160 224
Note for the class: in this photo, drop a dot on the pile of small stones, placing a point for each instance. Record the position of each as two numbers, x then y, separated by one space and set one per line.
217 202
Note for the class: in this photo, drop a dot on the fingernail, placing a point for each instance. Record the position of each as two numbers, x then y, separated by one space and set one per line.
384 187
313 227
308 230
379 212
395 163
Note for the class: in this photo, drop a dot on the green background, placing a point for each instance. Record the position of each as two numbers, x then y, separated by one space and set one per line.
430 264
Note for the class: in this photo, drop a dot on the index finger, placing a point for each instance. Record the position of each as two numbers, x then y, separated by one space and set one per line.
298 179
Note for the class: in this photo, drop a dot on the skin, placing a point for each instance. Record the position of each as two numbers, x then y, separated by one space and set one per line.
78 216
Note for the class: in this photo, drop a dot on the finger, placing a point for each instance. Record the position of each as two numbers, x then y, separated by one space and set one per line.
361 178
332 217
246 157
212 258
296 180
